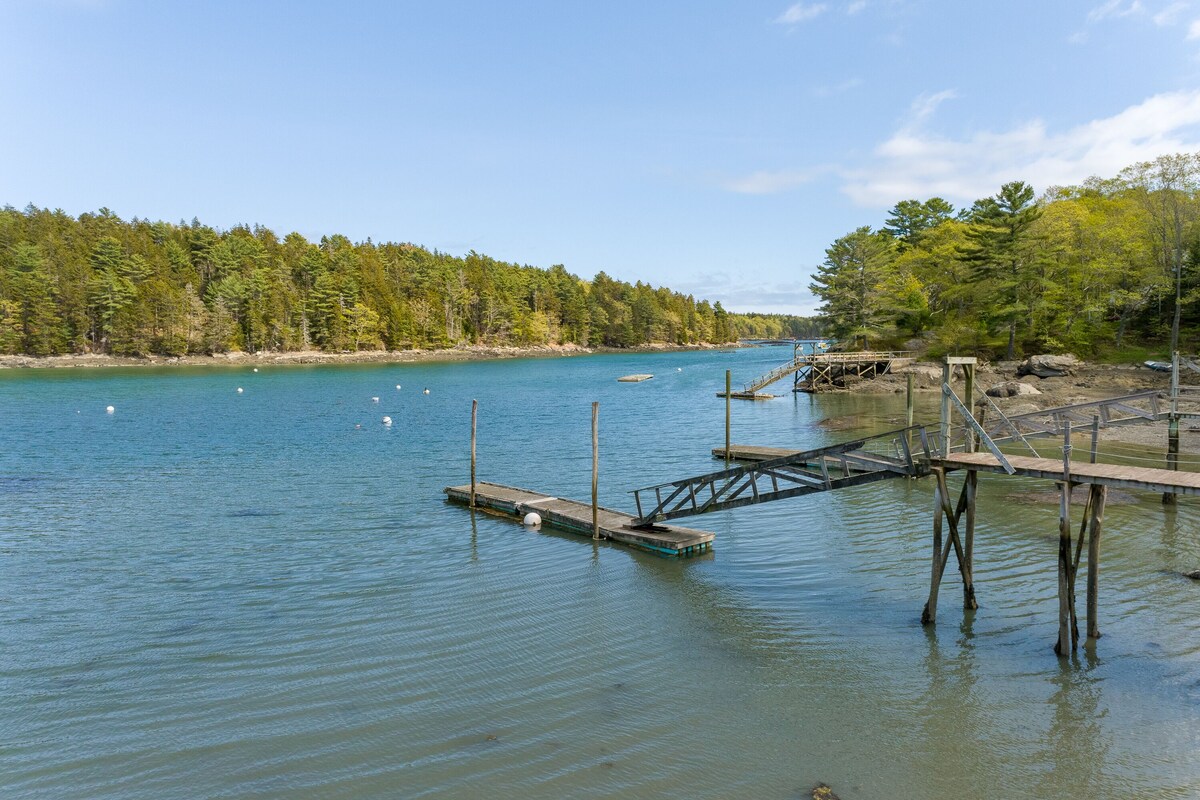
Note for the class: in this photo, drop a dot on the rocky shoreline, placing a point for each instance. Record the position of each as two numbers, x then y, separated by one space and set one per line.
468 353
1016 393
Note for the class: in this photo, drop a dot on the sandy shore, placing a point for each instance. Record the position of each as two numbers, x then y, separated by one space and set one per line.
472 353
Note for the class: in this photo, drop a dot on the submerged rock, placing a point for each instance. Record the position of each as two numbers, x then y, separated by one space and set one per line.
823 792
1194 574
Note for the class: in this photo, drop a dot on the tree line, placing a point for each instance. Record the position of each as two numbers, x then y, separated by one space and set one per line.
98 284
1094 268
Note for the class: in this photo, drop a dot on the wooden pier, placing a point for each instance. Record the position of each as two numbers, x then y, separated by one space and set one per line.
576 517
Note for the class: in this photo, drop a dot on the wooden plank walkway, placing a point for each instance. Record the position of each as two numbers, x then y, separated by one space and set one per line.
576 517
750 452
1146 478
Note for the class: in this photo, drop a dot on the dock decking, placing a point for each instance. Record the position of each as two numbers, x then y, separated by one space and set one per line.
576 517
1147 478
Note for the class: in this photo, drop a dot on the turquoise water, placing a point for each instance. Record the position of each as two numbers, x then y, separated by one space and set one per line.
212 594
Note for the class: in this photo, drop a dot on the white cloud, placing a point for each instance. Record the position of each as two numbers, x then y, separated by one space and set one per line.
1194 30
1169 14
736 294
767 182
1115 9
915 162
801 12
856 6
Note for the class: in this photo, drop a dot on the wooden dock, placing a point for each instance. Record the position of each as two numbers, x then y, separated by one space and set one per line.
750 452
576 517
1146 478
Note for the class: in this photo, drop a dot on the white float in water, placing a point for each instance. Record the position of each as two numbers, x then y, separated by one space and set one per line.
679 369
532 519
110 409
239 390
256 369
387 420
374 399
426 391
397 386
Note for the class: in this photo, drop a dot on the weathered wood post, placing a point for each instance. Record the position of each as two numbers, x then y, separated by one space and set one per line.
969 401
929 614
596 470
1095 436
1169 498
1099 494
947 371
972 485
1066 641
728 381
908 409
474 417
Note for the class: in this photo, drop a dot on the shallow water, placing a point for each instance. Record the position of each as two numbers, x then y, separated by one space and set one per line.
213 594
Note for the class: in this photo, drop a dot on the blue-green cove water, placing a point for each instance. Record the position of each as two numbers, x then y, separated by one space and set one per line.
217 595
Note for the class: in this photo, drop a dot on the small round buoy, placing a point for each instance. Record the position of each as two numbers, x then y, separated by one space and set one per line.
357 427
426 391
397 386
532 519
679 369
374 399
239 390
110 409
387 420
256 369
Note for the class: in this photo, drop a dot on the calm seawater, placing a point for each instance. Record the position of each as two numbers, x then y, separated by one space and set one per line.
217 595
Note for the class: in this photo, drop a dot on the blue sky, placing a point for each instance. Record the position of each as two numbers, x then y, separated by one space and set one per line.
716 148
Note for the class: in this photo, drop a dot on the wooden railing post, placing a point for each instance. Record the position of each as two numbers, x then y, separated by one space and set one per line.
474 417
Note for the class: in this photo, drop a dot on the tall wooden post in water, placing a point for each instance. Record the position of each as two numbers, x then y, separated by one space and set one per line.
728 381
1169 498
474 417
595 470
1068 633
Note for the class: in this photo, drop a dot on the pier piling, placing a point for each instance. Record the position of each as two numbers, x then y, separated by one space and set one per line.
474 419
595 470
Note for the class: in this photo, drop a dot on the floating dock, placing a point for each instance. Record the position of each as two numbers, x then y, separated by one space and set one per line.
634 378
576 517
749 395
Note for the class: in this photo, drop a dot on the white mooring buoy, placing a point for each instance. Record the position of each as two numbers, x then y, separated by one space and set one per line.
256 369
110 409
239 390
426 391
397 386
387 421
532 519
374 399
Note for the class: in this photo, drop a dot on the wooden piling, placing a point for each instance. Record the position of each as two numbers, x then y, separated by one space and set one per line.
728 396
929 614
969 402
474 418
596 470
947 372
1169 498
1099 494
1095 437
908 402
971 487
1066 641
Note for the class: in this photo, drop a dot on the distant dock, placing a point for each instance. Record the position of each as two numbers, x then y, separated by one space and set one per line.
576 517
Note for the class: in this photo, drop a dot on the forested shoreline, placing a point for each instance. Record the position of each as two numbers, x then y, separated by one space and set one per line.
1095 269
96 284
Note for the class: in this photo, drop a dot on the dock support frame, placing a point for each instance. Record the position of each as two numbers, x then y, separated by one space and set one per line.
964 551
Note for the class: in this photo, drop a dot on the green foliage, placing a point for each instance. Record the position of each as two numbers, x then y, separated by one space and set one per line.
99 284
1102 268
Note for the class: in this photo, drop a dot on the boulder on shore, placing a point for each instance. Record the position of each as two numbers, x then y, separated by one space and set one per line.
1049 366
1012 389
